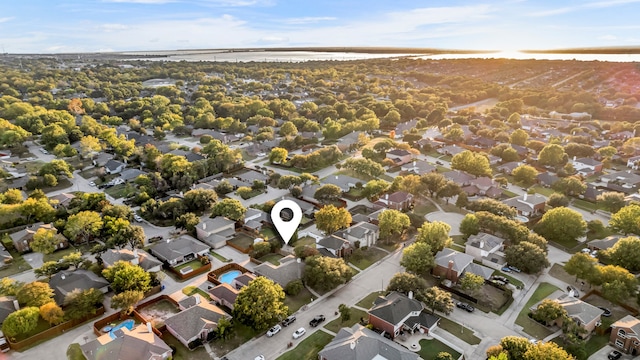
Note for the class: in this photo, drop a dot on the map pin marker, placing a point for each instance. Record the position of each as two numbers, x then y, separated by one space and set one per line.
286 228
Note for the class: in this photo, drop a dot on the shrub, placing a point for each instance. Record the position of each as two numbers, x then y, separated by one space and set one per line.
293 288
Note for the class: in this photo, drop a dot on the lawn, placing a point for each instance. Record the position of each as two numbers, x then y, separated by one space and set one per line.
370 257
190 290
309 347
367 301
356 193
219 257
595 343
57 255
294 303
389 247
429 349
195 264
241 334
337 324
585 205
267 233
530 326
425 208
89 173
272 258
74 352
182 352
543 190
461 332
307 240
63 183
243 241
121 191
18 265
42 326
600 234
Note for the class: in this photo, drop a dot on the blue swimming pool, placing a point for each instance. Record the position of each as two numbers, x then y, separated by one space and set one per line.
229 276
127 324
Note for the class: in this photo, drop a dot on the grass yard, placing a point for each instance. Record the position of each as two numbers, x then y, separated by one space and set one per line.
357 193
585 205
57 255
367 301
558 272
389 247
121 191
242 240
63 183
307 240
182 352
508 194
18 265
240 335
195 264
42 326
337 324
309 347
74 352
461 332
267 233
425 208
89 173
294 303
530 326
543 190
600 234
219 257
370 257
429 349
272 258
595 343
190 290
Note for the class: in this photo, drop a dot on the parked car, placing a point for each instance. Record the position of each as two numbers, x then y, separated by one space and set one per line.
573 290
506 269
299 333
594 254
439 162
585 251
465 306
316 320
614 355
500 278
137 218
91 183
155 239
514 268
274 330
44 151
606 313
288 321
259 357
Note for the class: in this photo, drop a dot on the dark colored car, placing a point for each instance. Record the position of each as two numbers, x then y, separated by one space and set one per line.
288 321
506 269
316 320
606 313
614 355
439 162
465 306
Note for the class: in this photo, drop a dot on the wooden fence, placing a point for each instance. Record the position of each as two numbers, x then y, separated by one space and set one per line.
189 275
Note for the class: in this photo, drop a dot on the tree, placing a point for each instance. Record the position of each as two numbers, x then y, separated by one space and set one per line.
529 257
34 294
48 269
288 129
562 225
229 208
52 313
493 206
74 259
392 223
330 219
558 200
418 258
552 155
626 220
374 188
125 276
519 137
89 146
11 196
612 200
471 282
325 273
199 200
437 299
21 321
444 356
549 311
83 226
470 225
547 351
617 283
9 286
56 168
278 155
626 253
581 265
404 282
223 330
570 186
473 163
82 303
435 234
345 312
39 209
126 301
260 304
328 193
525 174
433 182
365 167
515 346
187 221
44 241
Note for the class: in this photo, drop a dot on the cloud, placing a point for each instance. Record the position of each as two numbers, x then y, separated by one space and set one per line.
308 20
215 3
5 19
113 27
589 5
152 2
607 37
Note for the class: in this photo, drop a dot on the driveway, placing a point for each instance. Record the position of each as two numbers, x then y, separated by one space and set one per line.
451 218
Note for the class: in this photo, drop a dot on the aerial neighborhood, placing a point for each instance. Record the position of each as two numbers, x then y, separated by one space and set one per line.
451 209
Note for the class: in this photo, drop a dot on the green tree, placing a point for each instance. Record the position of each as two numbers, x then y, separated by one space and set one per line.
626 220
125 276
74 259
83 226
225 326
288 129
345 312
528 257
200 200
617 282
612 200
437 299
365 167
519 137
626 253
525 174
38 209
515 346
435 234
444 356
260 304
328 193
547 351
89 146
330 219
34 294
549 311
392 223
52 313
403 282
552 155
44 241
9 286
187 221
493 206
470 225
570 186
374 188
473 163
418 259
558 200
562 225
325 273
21 321
82 303
48 269
433 182
229 208
11 196
471 282
278 155
56 168
126 301
581 265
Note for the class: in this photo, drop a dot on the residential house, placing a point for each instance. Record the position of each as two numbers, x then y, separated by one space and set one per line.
308 209
459 177
308 192
397 313
242 280
66 282
114 166
587 166
507 168
399 200
450 264
8 304
61 200
591 192
406 126
450 150
216 231
136 257
366 234
358 342
547 179
23 238
482 142
484 246
251 175
224 295
254 219
399 156
131 174
625 335
633 162
333 246
349 141
139 343
483 186
288 270
418 167
521 150
189 155
622 181
344 182
528 205
494 160
198 322
102 159
604 244
584 314
177 251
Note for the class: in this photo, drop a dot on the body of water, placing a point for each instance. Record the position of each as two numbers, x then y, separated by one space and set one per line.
229 276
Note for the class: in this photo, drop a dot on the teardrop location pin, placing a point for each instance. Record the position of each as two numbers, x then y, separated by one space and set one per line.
286 228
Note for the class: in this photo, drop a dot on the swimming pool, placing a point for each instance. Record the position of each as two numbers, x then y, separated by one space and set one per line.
229 276
127 324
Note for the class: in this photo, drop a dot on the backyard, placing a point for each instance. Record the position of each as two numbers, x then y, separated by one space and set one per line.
429 349
309 347
194 264
190 290
242 241
158 312
272 258
17 266
182 352
530 326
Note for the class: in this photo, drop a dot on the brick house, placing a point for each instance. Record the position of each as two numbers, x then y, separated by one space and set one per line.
625 335
397 312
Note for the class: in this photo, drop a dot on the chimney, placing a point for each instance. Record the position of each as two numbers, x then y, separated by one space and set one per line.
524 197
149 328
386 196
16 305
450 265
481 244
204 226
410 294
197 298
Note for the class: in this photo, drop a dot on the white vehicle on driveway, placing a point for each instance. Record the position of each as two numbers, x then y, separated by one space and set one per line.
299 333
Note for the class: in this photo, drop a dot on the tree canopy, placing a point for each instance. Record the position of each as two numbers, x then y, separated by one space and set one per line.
260 304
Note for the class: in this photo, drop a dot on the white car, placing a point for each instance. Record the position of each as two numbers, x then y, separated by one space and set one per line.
259 357
137 218
299 333
274 330
91 183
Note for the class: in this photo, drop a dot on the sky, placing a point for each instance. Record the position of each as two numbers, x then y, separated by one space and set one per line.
57 26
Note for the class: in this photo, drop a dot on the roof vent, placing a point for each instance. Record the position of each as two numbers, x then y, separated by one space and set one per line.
352 345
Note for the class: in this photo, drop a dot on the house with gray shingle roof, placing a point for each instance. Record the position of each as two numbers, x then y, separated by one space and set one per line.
66 282
224 295
216 231
482 245
7 306
528 205
288 270
360 343
365 233
139 343
344 182
197 322
584 314
114 167
136 257
450 264
177 251
333 246
397 312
